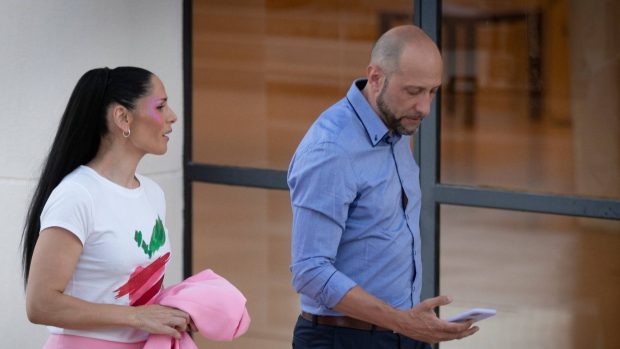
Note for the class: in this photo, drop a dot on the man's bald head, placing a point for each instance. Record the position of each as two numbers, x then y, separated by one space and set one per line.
404 74
387 52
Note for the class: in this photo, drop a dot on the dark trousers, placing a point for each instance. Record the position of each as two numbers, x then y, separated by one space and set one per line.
308 335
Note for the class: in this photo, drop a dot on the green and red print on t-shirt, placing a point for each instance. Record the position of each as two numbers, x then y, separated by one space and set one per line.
145 282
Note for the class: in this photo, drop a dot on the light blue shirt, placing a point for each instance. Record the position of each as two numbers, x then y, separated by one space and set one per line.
349 225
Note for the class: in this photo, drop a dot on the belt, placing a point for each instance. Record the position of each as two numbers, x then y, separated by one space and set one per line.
342 321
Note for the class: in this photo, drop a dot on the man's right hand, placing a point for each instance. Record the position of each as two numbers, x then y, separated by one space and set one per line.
421 323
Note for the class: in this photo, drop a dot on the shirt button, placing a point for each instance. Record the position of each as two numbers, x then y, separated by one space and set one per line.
414 253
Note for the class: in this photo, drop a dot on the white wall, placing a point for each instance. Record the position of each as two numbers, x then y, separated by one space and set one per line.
45 46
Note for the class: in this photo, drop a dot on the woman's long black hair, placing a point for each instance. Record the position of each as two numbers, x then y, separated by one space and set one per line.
79 135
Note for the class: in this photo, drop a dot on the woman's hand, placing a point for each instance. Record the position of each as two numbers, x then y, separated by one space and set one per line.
192 326
161 320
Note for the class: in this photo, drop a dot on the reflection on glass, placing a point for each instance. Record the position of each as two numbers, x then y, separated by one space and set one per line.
554 280
530 96
243 235
264 70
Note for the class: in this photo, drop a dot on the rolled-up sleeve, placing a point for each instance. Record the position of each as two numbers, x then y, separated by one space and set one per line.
322 186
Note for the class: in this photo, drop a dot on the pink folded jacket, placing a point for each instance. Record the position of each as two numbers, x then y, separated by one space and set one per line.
215 305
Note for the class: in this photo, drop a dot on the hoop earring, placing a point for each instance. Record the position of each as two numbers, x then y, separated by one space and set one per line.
126 133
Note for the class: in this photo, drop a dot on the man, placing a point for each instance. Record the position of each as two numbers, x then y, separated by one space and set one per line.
355 194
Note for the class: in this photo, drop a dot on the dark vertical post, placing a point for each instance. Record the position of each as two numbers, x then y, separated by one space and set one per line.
449 56
428 17
470 73
534 39
187 137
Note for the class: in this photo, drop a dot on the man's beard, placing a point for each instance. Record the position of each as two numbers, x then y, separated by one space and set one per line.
389 117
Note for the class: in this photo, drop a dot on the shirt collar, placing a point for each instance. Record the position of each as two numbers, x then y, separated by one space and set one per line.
375 128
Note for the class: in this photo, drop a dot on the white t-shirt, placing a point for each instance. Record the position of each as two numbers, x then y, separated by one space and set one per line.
125 243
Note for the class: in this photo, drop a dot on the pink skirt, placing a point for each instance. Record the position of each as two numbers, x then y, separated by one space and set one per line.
65 341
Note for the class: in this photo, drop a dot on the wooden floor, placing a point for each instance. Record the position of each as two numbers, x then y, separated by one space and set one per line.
554 280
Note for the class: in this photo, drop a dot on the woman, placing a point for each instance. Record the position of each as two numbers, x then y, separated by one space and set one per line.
95 246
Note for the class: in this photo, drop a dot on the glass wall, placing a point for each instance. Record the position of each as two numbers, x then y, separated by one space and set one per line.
529 103
531 96
243 234
554 280
264 70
